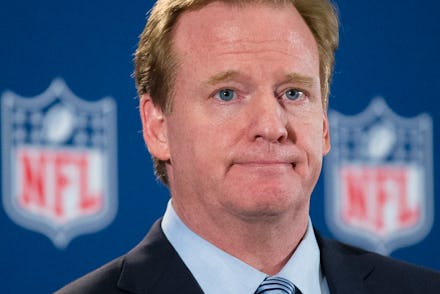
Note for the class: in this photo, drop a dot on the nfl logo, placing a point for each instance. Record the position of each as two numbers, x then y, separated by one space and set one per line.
59 162
379 178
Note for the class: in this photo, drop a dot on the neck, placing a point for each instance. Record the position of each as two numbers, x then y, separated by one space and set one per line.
265 243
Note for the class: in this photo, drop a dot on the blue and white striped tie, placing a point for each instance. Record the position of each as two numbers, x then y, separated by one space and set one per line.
277 285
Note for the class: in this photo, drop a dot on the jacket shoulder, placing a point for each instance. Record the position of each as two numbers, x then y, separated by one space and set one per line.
153 266
419 279
345 264
101 280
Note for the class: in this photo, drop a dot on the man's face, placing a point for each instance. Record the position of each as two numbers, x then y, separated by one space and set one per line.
247 132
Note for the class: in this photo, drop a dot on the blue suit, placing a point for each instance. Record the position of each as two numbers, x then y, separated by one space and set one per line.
153 266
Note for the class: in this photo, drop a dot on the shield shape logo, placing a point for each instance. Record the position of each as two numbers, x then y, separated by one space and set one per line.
379 178
59 162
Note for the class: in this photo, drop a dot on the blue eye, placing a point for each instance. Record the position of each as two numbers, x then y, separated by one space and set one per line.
293 94
225 94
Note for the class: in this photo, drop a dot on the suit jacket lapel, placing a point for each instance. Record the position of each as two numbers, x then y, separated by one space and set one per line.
154 266
346 268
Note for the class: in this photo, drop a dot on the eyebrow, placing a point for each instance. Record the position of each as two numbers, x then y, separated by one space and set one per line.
299 79
222 77
233 74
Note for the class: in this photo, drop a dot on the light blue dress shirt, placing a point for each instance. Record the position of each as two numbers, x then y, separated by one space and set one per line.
218 272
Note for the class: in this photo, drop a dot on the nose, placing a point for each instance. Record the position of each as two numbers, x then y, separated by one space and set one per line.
269 121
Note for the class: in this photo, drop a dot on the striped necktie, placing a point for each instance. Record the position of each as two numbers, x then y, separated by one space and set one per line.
277 285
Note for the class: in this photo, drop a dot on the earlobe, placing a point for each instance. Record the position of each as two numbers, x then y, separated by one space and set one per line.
325 136
154 128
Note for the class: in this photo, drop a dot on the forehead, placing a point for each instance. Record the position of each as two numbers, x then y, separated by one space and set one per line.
233 26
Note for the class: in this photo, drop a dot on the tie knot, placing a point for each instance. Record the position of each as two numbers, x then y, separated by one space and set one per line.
277 285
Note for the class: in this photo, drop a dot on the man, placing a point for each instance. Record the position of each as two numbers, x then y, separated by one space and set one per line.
233 106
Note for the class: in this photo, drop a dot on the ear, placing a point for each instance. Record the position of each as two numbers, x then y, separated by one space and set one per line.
154 128
325 135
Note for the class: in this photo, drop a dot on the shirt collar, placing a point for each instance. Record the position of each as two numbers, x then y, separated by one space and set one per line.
303 268
212 266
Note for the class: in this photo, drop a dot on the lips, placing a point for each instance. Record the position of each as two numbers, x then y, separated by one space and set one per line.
263 164
267 161
265 168
276 159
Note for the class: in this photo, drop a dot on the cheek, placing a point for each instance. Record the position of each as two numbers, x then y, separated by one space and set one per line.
195 145
308 125
311 139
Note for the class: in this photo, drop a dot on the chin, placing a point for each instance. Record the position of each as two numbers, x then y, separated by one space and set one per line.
266 204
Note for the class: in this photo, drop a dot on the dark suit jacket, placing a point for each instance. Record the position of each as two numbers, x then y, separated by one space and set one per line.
154 266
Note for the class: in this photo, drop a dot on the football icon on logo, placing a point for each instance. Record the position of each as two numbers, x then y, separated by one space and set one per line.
58 124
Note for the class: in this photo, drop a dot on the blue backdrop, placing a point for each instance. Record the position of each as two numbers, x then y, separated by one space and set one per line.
388 49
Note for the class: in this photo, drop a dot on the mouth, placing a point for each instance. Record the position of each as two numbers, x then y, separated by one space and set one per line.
278 162
268 167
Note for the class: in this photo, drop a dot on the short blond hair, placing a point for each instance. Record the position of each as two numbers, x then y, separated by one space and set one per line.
155 62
